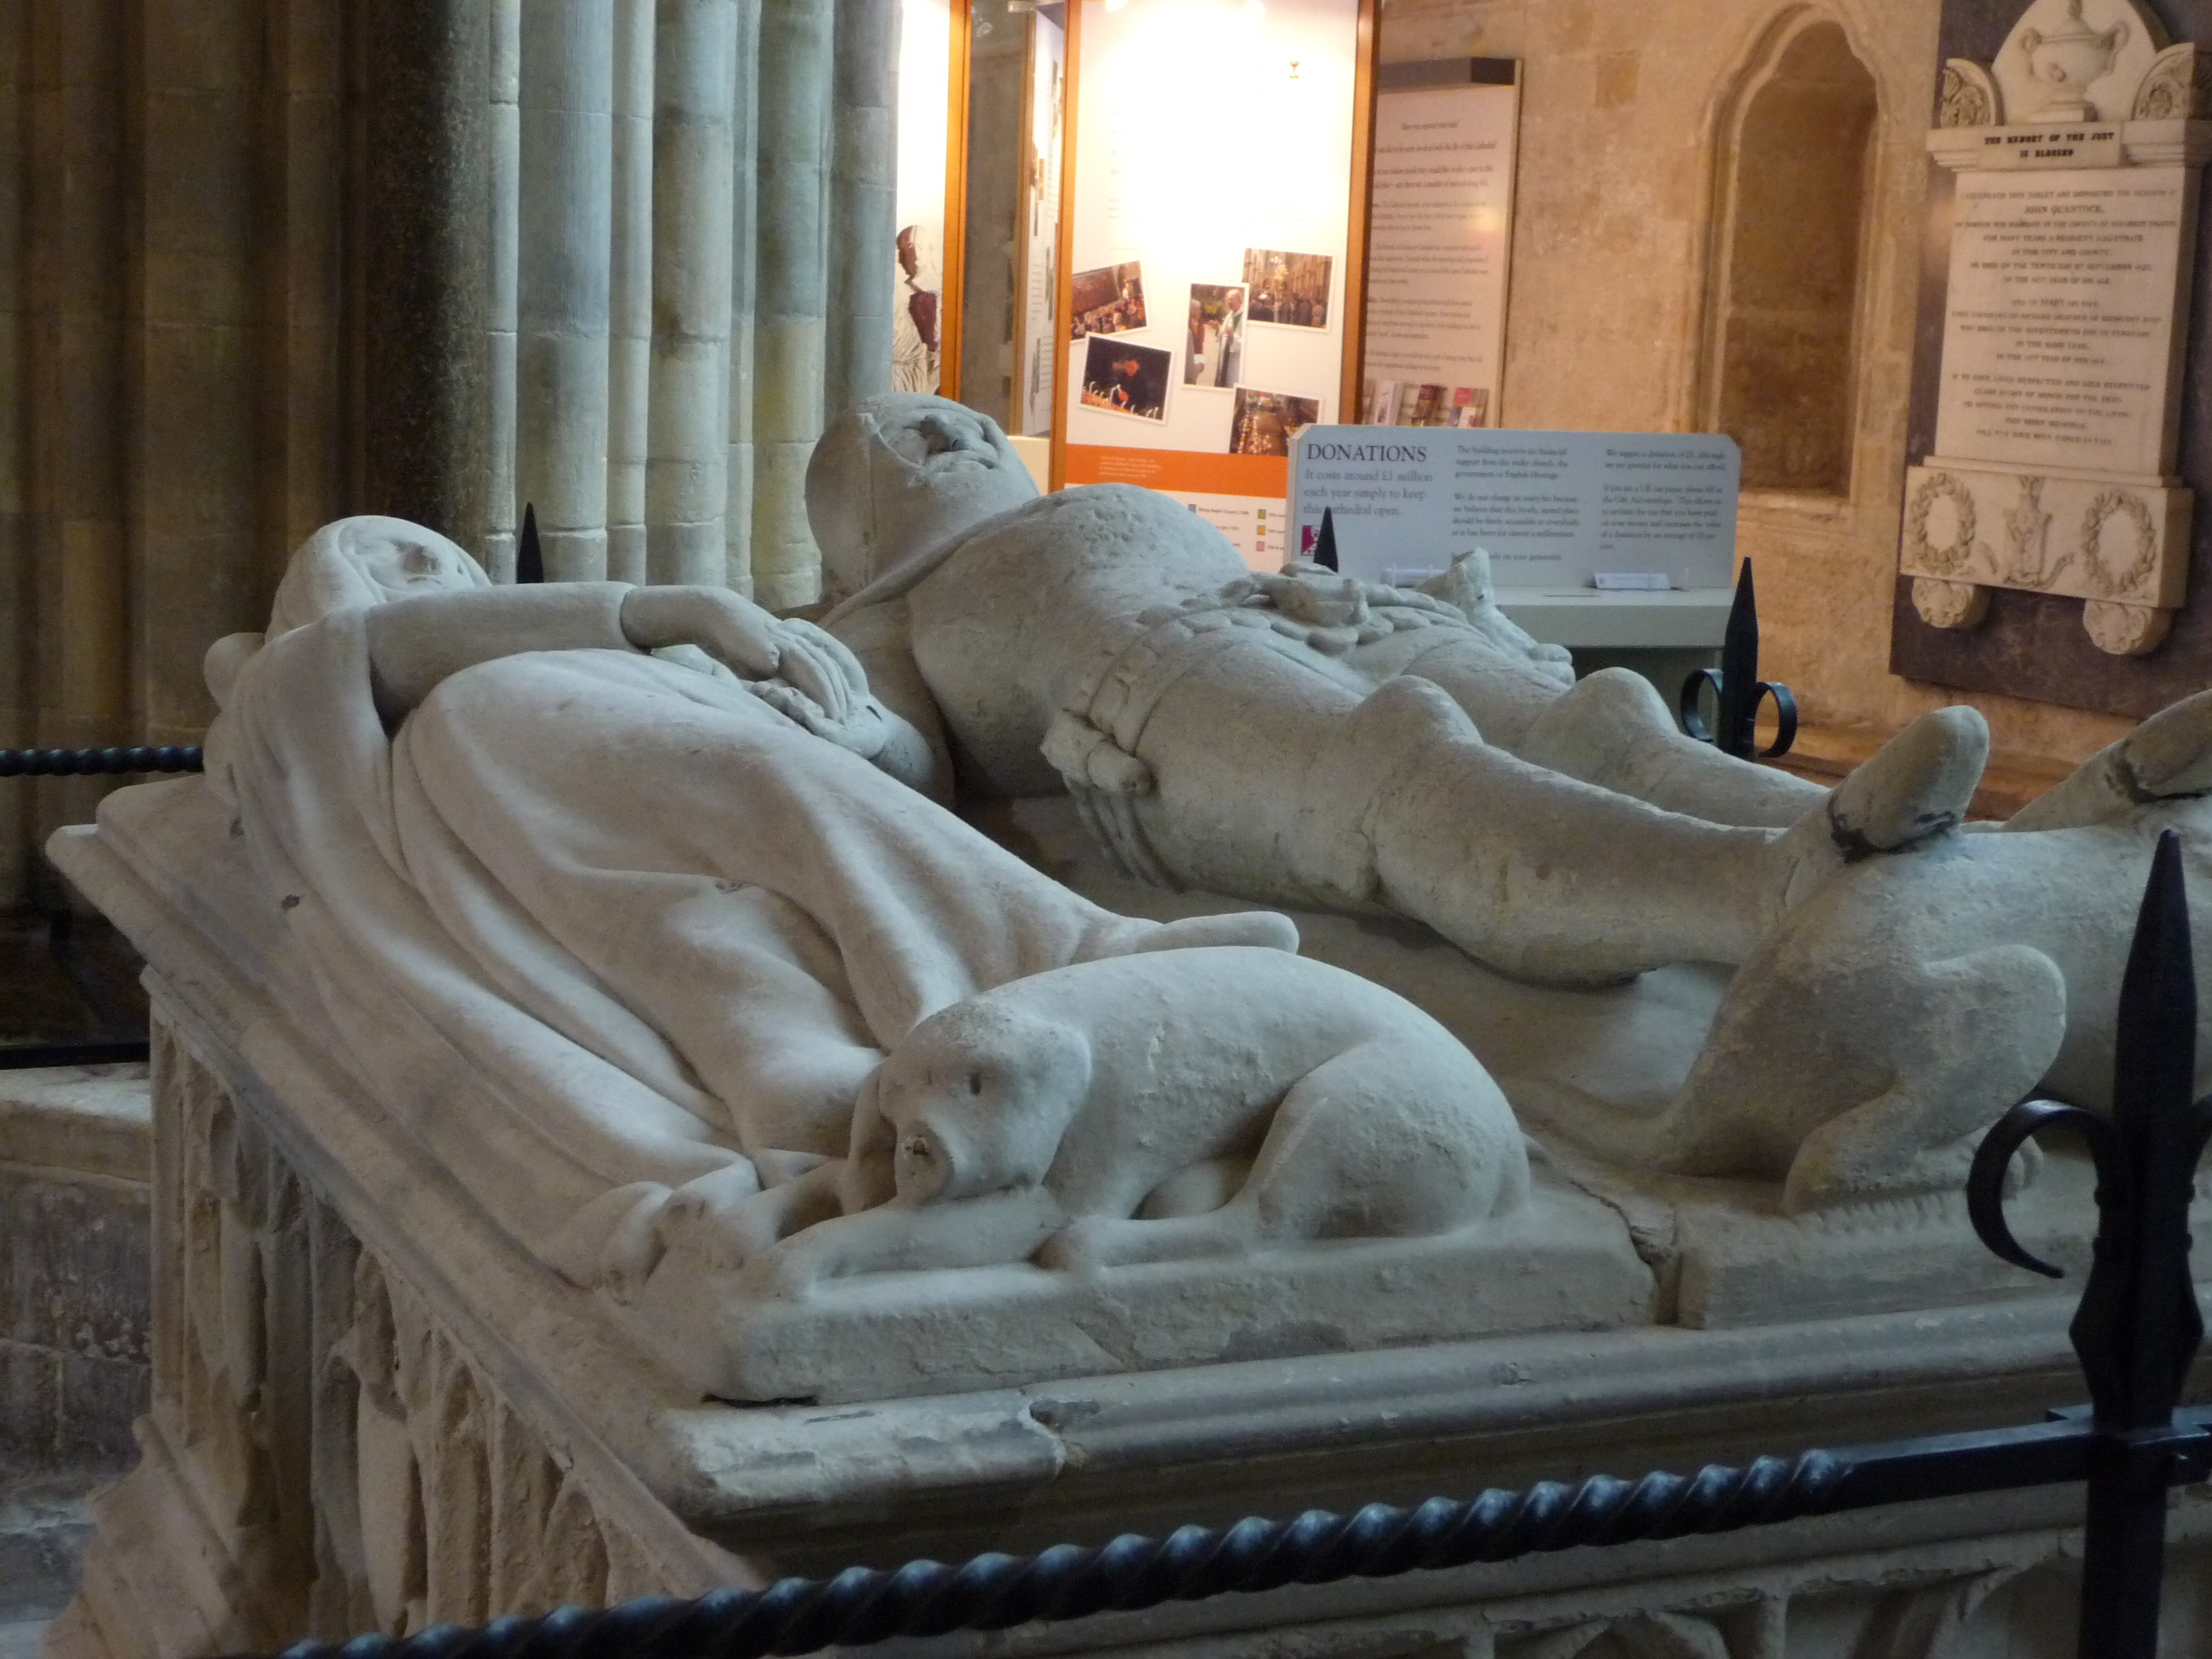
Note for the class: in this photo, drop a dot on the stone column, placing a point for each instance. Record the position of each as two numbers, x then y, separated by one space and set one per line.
744 243
305 420
425 192
791 292
687 479
503 142
563 293
190 439
863 202
631 300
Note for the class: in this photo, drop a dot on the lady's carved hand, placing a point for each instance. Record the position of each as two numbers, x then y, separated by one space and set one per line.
821 684
727 626
794 667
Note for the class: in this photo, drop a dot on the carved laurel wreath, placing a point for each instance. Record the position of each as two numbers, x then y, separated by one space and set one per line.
2114 584
2178 86
1946 560
1963 103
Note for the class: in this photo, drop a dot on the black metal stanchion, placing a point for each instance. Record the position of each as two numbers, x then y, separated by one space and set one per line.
1737 688
529 554
1324 553
2138 1328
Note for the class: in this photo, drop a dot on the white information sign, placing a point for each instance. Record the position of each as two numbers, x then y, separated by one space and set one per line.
1440 223
1552 508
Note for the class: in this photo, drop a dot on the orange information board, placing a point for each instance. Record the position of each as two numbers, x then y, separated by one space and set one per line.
1211 232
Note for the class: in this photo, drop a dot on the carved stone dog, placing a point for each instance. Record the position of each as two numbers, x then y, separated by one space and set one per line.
1175 1104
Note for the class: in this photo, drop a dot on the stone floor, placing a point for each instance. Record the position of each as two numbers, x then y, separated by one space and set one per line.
43 1529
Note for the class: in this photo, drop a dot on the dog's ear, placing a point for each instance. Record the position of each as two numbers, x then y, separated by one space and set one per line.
866 1181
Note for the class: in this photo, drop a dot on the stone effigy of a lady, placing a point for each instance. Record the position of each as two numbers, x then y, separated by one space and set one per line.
600 925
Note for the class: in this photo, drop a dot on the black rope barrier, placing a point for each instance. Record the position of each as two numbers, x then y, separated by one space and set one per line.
862 1605
76 762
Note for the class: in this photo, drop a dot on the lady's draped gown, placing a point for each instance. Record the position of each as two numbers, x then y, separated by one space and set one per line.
594 919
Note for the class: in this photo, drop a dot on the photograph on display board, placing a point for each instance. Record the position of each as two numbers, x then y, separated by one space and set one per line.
1291 288
1214 353
1108 300
1266 422
1128 380
917 344
1416 403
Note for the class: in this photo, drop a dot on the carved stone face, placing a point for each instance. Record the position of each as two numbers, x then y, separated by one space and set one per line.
977 1097
366 561
405 559
901 474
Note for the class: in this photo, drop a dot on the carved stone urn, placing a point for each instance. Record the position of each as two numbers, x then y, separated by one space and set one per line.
2068 59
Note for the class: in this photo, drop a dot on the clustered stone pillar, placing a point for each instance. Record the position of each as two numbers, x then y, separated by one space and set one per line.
689 269
564 279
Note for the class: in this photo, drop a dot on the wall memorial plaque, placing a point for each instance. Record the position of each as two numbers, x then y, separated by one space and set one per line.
2058 408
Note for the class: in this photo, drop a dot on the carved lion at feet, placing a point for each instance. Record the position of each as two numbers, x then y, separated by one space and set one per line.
1202 1101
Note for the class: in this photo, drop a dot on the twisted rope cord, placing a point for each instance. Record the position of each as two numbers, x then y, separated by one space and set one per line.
996 1592
67 762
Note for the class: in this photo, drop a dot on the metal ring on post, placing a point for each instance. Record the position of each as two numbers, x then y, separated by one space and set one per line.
1693 721
1785 718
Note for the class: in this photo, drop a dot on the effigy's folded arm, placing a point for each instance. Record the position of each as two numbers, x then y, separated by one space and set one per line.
415 643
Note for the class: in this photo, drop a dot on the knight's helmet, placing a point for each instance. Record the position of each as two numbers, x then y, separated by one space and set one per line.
901 474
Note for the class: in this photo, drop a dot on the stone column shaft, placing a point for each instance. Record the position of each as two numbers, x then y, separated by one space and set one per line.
687 482
863 202
631 300
744 246
503 146
426 193
563 293
791 295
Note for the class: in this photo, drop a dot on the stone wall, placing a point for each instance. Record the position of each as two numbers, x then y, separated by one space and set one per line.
1617 259
75 1248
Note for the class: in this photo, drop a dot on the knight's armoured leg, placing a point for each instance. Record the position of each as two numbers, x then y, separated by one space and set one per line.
1611 729
1265 777
1269 779
1540 875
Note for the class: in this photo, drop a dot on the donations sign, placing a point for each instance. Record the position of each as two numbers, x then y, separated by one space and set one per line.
1551 509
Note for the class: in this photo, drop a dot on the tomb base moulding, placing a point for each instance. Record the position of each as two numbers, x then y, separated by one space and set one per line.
374 1411
2078 156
